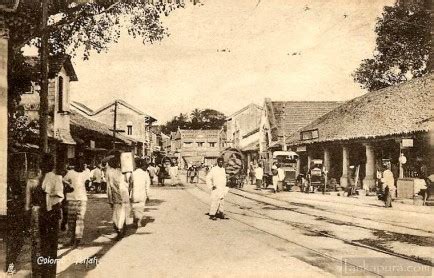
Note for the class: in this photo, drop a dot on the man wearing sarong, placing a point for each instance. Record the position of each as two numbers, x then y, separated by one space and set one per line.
389 186
216 180
118 195
76 202
140 185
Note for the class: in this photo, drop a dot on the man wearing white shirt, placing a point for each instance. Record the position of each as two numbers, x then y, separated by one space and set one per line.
281 177
259 175
141 182
216 180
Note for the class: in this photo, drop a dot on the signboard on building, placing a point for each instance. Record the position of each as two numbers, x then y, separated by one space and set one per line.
301 149
407 143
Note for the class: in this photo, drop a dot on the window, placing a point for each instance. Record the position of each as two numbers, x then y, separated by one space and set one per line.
309 134
212 144
187 144
129 129
60 89
200 144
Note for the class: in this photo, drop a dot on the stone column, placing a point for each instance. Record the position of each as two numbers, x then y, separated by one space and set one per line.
369 180
297 171
3 117
345 165
327 159
309 159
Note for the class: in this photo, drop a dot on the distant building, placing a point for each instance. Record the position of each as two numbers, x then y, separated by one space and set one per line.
196 146
130 122
242 130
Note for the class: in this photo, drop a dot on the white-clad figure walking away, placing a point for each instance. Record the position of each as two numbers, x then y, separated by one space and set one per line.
140 185
389 186
259 175
216 180
118 195
76 201
281 177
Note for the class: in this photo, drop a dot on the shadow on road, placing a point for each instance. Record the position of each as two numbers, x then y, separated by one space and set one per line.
98 238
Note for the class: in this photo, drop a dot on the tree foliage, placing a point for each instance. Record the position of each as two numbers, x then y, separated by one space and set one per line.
74 29
402 47
199 119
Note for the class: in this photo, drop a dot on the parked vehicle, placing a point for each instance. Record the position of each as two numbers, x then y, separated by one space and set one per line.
316 175
288 163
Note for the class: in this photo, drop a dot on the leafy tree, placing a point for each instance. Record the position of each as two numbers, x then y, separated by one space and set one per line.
196 118
74 27
199 119
403 46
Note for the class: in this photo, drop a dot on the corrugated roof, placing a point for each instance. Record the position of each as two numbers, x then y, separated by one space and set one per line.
287 117
401 109
127 105
82 122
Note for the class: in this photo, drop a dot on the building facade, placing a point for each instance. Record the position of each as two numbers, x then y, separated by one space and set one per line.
281 119
129 121
196 146
242 131
390 126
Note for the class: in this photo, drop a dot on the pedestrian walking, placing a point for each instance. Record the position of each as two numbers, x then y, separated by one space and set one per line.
173 174
96 178
152 172
389 186
280 177
275 178
76 201
118 195
259 175
216 180
251 173
140 185
43 199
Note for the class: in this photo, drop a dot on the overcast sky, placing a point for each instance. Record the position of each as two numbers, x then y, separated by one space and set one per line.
281 49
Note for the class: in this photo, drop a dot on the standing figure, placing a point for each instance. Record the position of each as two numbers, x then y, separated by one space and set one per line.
216 180
275 177
173 174
76 201
389 186
96 178
43 197
280 177
152 172
118 195
259 175
140 185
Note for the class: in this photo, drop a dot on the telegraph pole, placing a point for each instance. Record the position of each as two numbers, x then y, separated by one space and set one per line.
114 124
43 94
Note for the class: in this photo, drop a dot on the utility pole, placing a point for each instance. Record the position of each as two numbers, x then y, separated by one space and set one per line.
114 124
43 94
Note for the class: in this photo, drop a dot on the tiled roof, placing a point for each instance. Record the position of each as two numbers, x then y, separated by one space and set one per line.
287 117
401 109
55 64
80 123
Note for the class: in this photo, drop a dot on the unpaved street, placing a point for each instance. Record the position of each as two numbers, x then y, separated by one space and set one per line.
262 237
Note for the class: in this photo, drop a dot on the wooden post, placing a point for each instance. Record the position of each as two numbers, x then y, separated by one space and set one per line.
114 124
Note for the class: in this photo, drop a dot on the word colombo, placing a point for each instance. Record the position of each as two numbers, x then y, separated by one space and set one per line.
51 261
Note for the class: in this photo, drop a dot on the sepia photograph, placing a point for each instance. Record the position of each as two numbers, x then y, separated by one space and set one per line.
216 138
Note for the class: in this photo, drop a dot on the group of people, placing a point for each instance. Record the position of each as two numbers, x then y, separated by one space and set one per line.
256 176
59 200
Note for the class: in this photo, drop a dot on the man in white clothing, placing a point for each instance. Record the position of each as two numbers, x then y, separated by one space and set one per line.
216 180
140 184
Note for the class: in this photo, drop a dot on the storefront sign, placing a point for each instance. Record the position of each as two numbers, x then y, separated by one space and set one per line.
301 149
407 143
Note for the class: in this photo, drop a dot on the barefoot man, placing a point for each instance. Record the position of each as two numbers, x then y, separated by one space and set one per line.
216 180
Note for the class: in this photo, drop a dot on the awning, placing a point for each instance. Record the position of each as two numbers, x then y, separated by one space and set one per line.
64 136
193 159
251 147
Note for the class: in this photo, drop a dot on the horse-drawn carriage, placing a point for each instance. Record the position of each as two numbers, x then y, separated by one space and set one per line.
234 162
